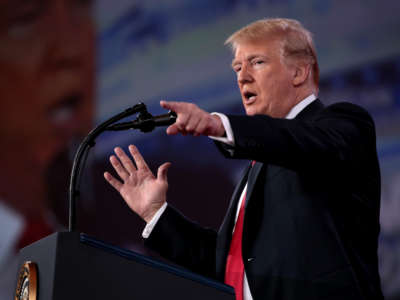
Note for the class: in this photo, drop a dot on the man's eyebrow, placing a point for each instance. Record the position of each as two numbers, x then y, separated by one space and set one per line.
249 58
18 4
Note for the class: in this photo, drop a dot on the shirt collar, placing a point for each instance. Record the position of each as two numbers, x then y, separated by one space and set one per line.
300 106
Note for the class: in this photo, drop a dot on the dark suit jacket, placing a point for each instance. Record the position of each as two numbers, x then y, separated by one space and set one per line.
312 212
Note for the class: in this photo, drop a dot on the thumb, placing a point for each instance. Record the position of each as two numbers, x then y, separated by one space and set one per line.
162 171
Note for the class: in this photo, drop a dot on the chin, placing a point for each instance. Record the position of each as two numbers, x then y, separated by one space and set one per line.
50 150
250 111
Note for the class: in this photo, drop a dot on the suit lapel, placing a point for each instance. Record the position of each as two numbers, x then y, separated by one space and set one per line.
253 174
227 224
226 228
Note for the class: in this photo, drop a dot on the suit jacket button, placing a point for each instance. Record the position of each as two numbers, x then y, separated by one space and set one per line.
250 259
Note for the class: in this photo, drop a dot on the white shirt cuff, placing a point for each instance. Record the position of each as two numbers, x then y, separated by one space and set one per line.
150 226
229 139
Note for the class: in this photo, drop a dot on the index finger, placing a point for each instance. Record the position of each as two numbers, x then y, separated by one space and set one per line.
173 105
139 160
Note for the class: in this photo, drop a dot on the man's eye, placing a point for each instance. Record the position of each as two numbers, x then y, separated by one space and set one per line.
82 8
24 19
21 24
237 69
258 62
84 2
23 16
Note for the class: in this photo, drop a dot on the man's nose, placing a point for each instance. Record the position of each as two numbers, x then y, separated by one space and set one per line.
244 75
66 43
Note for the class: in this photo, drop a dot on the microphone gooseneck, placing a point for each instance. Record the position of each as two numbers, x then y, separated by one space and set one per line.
144 122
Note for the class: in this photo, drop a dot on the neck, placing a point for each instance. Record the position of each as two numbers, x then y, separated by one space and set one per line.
303 92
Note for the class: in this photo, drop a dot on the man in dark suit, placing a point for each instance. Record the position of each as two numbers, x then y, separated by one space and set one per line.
303 222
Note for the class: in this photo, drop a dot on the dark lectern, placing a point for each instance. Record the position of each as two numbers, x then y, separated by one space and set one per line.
75 266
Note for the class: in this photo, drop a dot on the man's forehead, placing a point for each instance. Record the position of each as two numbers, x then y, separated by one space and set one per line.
17 4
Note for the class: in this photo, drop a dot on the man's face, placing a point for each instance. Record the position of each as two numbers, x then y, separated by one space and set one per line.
264 80
46 75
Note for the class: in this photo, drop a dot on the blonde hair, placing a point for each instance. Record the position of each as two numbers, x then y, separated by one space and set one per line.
297 41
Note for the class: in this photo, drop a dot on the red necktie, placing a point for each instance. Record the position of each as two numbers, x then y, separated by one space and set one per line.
234 272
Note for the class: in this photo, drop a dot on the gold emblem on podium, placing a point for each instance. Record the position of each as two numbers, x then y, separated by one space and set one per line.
27 282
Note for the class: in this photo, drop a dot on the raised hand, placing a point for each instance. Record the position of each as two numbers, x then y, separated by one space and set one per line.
193 120
143 192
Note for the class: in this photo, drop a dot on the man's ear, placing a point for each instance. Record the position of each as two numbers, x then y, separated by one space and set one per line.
301 73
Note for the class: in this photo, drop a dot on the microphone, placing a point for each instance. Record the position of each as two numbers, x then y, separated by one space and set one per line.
146 122
165 119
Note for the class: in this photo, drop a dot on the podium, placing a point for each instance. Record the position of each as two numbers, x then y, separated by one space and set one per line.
70 265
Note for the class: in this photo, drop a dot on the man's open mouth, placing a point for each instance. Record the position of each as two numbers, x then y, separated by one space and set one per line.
250 96
65 110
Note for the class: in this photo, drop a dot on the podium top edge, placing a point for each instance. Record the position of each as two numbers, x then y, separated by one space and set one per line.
140 258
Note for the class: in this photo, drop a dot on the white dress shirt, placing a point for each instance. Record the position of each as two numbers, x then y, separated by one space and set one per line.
229 139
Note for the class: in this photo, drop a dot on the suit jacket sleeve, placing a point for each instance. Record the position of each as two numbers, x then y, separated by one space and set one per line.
338 138
184 242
